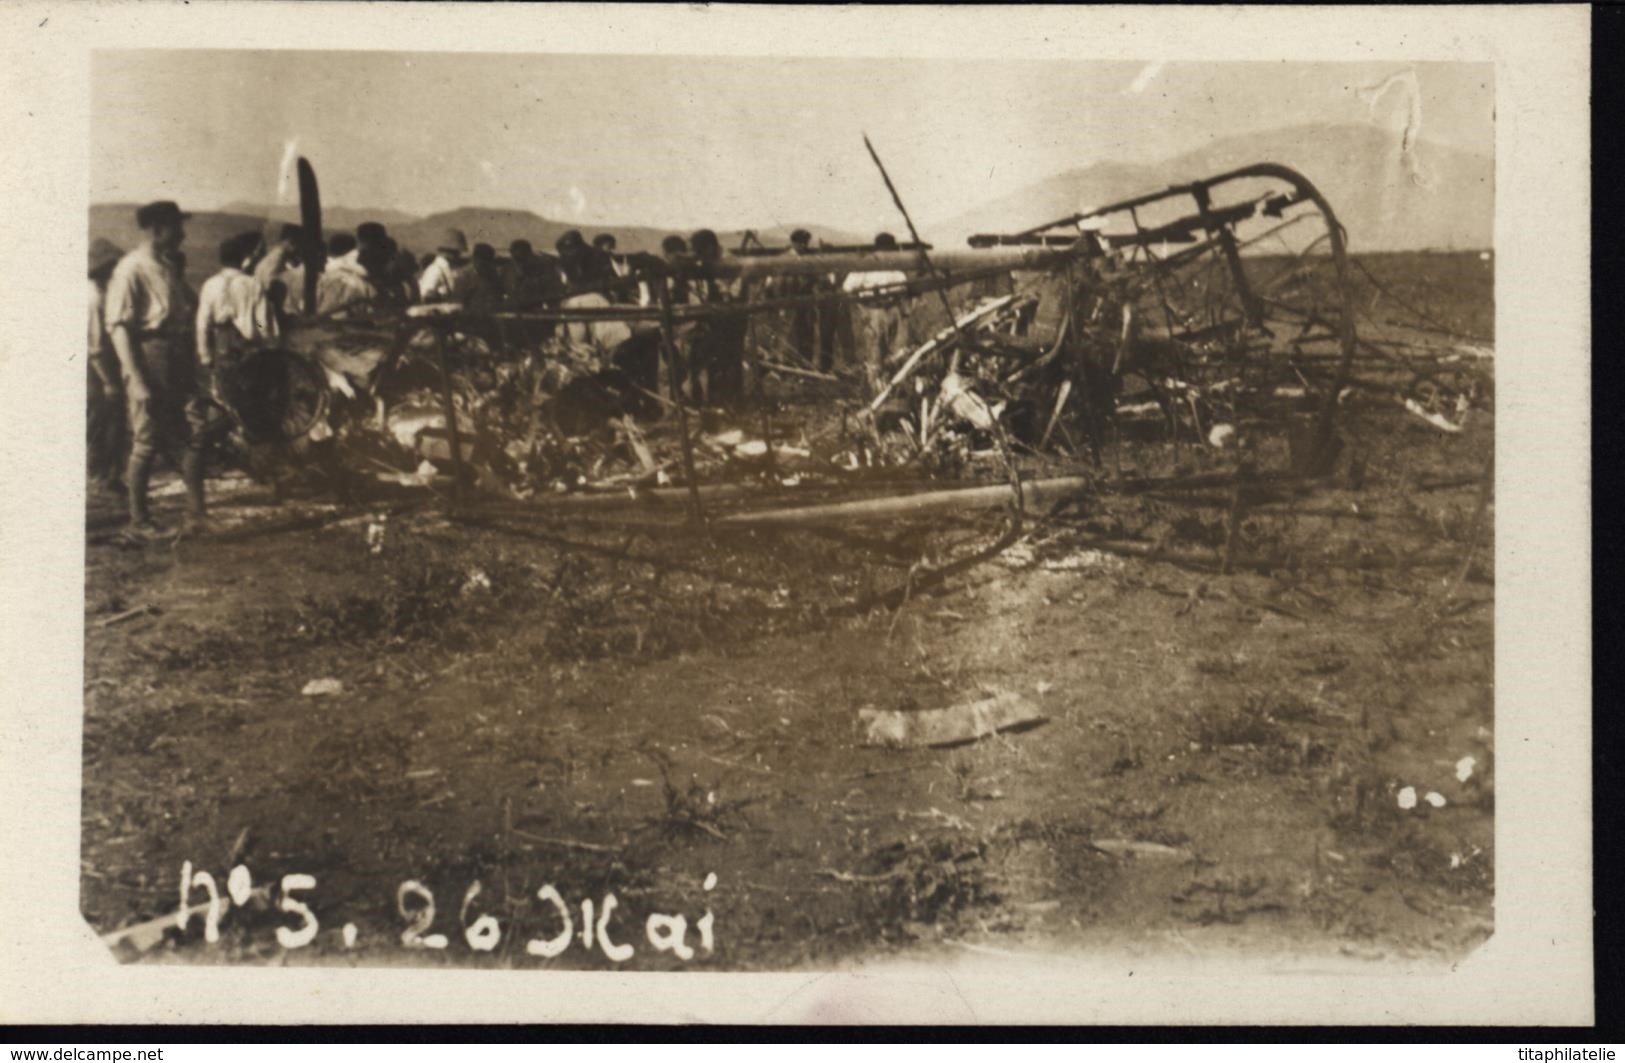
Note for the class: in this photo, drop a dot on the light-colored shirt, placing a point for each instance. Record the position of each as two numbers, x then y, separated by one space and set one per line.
232 300
342 285
147 294
271 267
292 279
605 334
863 282
443 282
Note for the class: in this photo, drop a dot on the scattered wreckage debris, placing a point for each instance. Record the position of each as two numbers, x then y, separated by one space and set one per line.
1142 849
957 725
1225 322
128 614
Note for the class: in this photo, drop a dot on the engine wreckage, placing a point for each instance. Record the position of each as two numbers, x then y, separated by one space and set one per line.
1219 310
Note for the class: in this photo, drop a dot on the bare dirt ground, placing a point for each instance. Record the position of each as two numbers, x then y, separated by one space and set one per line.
617 703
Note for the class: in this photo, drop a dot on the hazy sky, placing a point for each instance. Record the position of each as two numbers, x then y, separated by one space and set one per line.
684 142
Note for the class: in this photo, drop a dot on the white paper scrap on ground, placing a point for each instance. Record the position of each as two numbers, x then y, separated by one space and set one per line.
951 726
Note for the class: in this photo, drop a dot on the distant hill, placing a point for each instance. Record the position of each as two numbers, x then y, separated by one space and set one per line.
499 227
1358 168
204 233
493 225
335 218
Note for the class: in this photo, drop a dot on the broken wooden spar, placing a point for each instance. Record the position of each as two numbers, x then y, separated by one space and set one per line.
955 261
935 342
1034 491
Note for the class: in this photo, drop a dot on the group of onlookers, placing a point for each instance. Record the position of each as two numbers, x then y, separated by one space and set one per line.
153 342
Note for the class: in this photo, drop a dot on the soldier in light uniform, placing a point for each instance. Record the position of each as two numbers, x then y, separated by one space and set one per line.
149 311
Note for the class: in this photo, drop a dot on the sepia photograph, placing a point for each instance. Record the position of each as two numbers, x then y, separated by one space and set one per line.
643 528
589 510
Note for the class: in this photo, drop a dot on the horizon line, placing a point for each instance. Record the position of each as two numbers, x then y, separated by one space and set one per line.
1420 140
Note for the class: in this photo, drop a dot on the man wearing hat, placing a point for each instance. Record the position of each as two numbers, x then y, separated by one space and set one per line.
402 275
104 416
371 233
575 260
613 270
487 290
811 319
149 312
368 245
580 285
450 278
716 346
352 277
523 280
881 312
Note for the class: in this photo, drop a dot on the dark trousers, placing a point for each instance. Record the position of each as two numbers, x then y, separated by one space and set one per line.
174 420
639 359
829 315
803 332
882 327
728 361
105 447
715 351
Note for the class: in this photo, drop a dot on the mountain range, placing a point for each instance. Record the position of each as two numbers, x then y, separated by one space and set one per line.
1432 197
1437 198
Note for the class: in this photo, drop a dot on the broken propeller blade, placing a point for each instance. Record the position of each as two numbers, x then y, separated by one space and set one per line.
314 251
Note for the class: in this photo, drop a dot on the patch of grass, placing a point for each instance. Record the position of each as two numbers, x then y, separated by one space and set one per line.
930 881
1256 720
694 809
1418 854
412 596
1219 665
1247 723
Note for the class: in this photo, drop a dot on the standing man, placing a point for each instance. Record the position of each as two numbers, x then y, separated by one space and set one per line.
718 344
370 234
450 278
234 309
671 275
614 270
280 273
104 416
150 317
575 261
881 316
488 291
402 275
803 319
348 282
523 280
812 319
